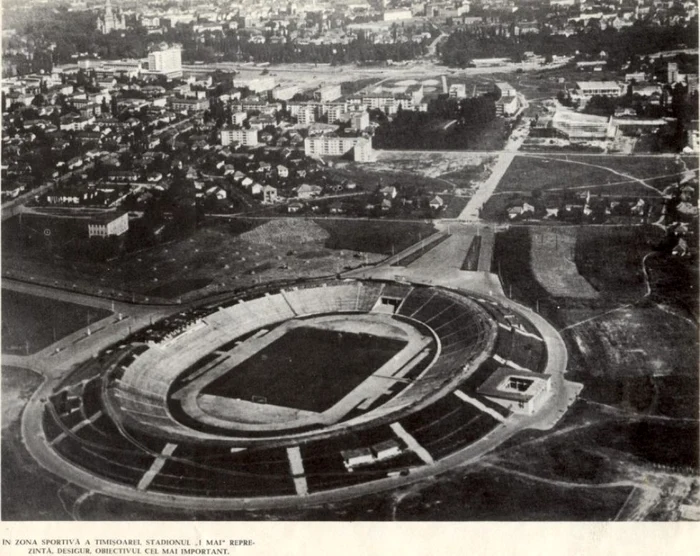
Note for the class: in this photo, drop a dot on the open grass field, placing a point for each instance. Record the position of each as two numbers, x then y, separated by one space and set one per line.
674 284
425 172
552 255
307 368
372 236
454 205
511 261
610 259
600 174
673 444
224 255
30 323
486 494
557 176
636 342
176 288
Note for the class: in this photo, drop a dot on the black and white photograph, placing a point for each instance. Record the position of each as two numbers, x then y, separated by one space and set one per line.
347 261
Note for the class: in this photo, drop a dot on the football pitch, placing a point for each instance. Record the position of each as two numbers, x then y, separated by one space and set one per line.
307 368
30 322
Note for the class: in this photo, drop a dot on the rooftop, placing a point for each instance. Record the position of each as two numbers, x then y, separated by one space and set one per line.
594 85
494 385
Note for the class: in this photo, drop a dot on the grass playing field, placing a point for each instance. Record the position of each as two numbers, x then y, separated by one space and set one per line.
30 323
307 368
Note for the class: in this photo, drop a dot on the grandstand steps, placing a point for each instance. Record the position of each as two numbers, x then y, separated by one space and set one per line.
412 443
77 427
296 466
156 466
511 364
286 300
527 334
480 406
422 306
398 309
404 370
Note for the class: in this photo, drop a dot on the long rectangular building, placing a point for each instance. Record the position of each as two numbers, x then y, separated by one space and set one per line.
588 89
245 137
327 145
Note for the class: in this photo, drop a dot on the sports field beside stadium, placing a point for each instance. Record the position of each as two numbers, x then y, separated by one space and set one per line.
30 322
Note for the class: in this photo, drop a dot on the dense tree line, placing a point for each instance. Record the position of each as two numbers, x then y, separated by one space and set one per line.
58 34
433 130
236 46
640 39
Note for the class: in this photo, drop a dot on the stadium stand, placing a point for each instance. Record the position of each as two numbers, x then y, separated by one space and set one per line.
447 425
174 353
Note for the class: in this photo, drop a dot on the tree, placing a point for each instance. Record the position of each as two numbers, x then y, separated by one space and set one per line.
39 100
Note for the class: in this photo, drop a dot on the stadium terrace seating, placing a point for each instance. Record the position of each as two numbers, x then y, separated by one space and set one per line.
91 397
462 332
325 467
97 446
217 472
396 291
113 463
415 301
77 422
328 299
447 426
367 295
50 425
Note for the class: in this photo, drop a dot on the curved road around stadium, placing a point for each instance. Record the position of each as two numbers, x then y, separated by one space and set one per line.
563 394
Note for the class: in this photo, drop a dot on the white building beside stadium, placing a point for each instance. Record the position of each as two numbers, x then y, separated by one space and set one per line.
521 391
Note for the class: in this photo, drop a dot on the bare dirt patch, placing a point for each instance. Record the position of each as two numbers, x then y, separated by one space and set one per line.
286 231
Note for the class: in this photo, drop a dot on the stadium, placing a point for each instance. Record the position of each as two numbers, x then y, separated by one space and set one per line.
322 391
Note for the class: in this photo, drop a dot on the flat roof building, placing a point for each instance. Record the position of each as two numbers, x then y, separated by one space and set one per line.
166 60
588 89
328 145
574 125
521 391
245 137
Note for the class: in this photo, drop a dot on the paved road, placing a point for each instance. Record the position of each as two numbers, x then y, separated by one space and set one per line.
483 191
511 149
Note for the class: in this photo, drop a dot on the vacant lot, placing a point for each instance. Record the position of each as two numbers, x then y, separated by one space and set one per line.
610 259
30 323
560 178
226 255
423 172
493 494
636 342
600 174
372 236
